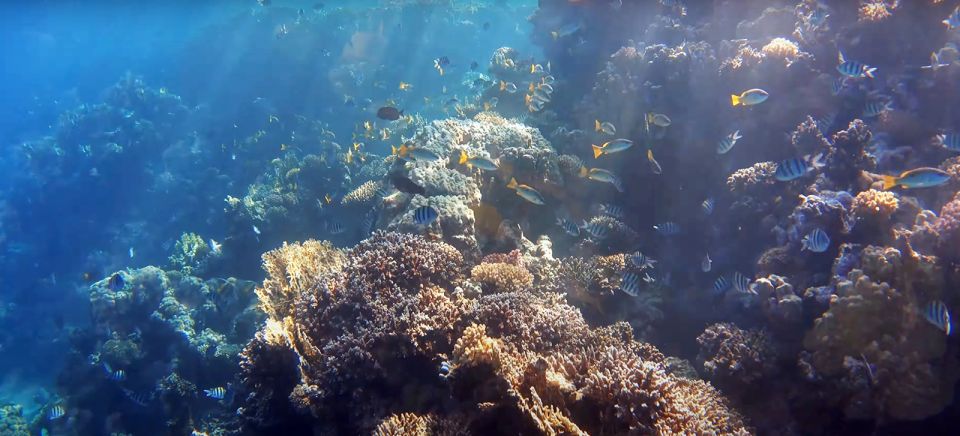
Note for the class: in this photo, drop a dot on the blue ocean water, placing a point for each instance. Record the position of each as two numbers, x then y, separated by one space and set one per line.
540 215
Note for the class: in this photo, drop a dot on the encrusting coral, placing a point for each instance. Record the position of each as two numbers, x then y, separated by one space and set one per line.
736 358
388 340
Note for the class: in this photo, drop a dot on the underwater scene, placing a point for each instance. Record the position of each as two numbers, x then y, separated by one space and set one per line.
479 217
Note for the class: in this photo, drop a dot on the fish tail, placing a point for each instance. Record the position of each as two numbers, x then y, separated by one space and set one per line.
503 85
583 171
463 157
889 182
869 72
734 99
513 183
597 151
555 35
596 125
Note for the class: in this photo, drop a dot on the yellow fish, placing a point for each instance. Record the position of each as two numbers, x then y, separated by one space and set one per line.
404 86
368 126
327 198
283 147
273 118
356 145
349 158
384 134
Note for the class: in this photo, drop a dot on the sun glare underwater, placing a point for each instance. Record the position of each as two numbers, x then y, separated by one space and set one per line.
480 217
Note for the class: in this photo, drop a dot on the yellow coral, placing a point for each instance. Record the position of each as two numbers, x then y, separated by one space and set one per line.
502 277
876 10
362 194
781 48
476 348
411 424
293 269
875 203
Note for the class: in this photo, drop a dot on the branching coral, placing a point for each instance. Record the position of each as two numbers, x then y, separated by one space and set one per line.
12 422
363 194
191 254
411 424
501 277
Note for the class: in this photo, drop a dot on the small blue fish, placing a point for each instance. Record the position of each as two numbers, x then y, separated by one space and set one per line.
668 228
953 21
741 283
424 215
444 369
640 260
116 282
721 285
854 69
256 230
217 393
935 63
708 206
728 142
612 211
917 178
825 122
56 412
817 241
568 226
875 108
950 141
630 284
838 85
937 314
596 230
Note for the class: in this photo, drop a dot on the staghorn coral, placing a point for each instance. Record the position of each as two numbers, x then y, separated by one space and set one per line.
363 194
501 277
735 358
389 340
411 424
292 270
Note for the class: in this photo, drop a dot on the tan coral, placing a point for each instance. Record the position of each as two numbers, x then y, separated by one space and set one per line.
876 10
293 269
781 48
366 192
880 204
502 277
411 424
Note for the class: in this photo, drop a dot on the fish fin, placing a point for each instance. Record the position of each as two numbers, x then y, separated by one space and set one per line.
513 183
889 182
584 172
597 151
596 125
650 155
869 72
503 85
734 99
393 150
840 57
463 158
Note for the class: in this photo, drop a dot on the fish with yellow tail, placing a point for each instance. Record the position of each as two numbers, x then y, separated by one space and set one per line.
404 86
525 192
602 175
917 178
749 97
615 146
654 165
604 127
417 154
477 161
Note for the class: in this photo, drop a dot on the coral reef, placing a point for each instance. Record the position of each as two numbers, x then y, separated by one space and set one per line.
367 335
192 254
501 277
